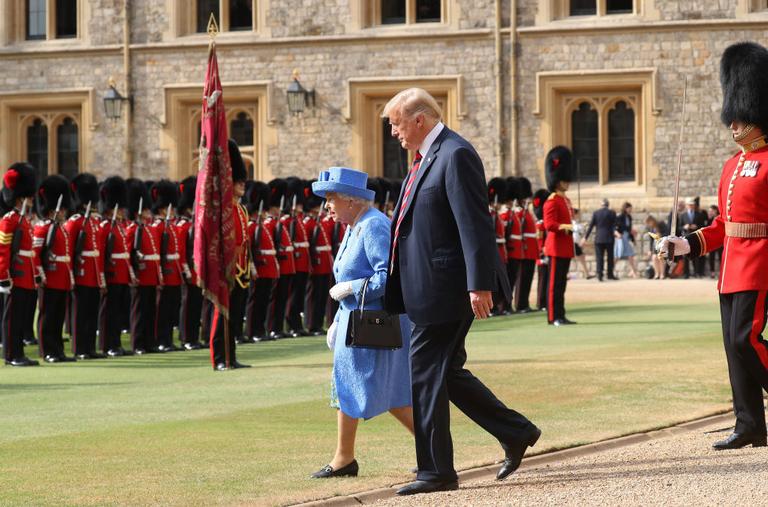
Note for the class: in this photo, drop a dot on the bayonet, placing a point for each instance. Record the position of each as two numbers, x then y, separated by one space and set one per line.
58 208
141 208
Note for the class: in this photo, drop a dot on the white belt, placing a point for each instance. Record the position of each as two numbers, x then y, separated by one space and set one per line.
288 249
500 241
323 249
304 244
26 253
153 257
60 258
90 253
172 257
531 235
267 252
515 236
124 255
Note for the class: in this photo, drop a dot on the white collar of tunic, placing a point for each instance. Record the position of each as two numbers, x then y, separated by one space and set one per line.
427 143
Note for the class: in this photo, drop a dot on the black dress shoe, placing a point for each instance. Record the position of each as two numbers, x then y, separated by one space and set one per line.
738 440
164 348
236 365
317 332
30 341
22 361
418 487
327 471
274 335
221 367
115 352
192 346
139 352
97 355
51 359
514 455
82 357
563 322
67 359
524 310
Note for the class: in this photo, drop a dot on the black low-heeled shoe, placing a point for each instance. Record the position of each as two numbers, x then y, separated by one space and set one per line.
327 471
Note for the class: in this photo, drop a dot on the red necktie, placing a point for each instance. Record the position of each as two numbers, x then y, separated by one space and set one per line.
403 205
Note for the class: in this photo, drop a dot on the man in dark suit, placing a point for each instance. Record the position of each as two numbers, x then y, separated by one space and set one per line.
443 270
692 220
604 222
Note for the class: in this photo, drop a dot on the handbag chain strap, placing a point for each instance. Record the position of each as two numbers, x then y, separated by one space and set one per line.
365 289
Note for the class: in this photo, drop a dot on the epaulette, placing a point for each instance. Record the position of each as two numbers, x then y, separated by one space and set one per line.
10 214
182 221
76 216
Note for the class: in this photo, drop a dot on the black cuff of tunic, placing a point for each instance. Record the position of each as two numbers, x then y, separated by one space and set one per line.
698 248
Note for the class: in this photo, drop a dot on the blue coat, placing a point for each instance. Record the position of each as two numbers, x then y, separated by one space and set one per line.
368 382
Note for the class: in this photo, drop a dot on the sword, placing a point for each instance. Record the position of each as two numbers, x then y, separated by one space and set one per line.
673 225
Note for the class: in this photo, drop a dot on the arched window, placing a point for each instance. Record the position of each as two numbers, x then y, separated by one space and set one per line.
585 142
37 147
395 162
621 143
204 10
583 7
241 129
619 7
68 148
241 14
36 19
66 19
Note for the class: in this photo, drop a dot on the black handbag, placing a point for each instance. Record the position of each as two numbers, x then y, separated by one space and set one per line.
373 329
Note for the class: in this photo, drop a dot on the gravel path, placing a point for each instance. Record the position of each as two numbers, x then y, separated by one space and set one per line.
678 470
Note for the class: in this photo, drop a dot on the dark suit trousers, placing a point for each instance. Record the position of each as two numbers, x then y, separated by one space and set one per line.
296 302
84 319
111 310
600 250
52 306
256 307
743 316
143 315
15 315
523 286
190 313
317 300
438 377
542 294
558 279
168 306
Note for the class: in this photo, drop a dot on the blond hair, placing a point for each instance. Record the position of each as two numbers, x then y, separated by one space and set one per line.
413 101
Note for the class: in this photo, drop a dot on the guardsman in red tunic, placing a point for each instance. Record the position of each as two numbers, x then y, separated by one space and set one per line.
242 274
321 255
558 222
497 195
285 257
145 260
529 247
165 198
53 247
87 264
742 232
191 295
337 236
113 311
265 262
294 222
19 267
542 263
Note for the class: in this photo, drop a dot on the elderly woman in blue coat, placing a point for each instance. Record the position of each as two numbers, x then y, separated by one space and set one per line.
365 382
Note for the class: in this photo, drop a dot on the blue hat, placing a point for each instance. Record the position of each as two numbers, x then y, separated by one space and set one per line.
343 181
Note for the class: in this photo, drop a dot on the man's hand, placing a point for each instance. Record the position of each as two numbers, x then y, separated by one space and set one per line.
482 303
681 246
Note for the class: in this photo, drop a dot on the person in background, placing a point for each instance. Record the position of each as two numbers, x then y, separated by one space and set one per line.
656 229
578 244
530 246
542 263
625 239
604 223
714 257
191 295
693 219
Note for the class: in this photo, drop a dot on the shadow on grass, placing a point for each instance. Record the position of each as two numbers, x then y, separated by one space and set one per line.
54 387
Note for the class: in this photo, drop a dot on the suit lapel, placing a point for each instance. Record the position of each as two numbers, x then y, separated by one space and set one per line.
426 164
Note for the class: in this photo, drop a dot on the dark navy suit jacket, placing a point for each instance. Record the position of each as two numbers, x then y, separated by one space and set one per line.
447 243
604 220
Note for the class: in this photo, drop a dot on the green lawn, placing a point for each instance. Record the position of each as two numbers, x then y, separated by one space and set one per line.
165 429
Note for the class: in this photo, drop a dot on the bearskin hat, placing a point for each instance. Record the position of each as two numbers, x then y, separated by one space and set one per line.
744 79
558 166
187 189
311 200
497 190
85 189
137 193
513 189
48 195
295 189
375 185
256 193
236 160
277 190
163 193
539 198
20 180
112 192
526 191
394 190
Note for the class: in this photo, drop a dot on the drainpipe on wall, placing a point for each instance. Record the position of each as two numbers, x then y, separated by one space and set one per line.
127 153
513 154
499 148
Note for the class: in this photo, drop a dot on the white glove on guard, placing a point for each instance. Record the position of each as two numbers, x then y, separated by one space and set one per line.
681 246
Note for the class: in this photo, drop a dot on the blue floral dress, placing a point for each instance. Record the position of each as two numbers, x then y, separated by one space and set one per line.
367 382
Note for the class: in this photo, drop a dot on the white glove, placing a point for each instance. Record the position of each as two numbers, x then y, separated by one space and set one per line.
5 288
330 337
341 290
680 246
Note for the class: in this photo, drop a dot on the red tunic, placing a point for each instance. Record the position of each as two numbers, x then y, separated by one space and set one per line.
320 238
514 235
530 245
557 211
118 268
741 197
285 252
58 272
148 254
23 269
243 247
172 269
89 271
500 225
300 241
264 252
184 232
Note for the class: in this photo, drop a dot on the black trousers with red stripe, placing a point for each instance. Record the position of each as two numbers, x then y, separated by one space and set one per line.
190 313
743 317
256 307
29 326
542 292
513 269
52 306
278 303
16 308
168 304
526 268
317 300
218 349
558 279
143 315
298 293
111 311
85 302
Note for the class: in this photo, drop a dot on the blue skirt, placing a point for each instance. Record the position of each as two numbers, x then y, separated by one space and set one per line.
623 248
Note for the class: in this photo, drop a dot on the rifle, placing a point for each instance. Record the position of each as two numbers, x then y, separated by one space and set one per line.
255 247
80 241
16 241
165 238
279 231
136 250
50 237
522 223
109 248
292 227
386 203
